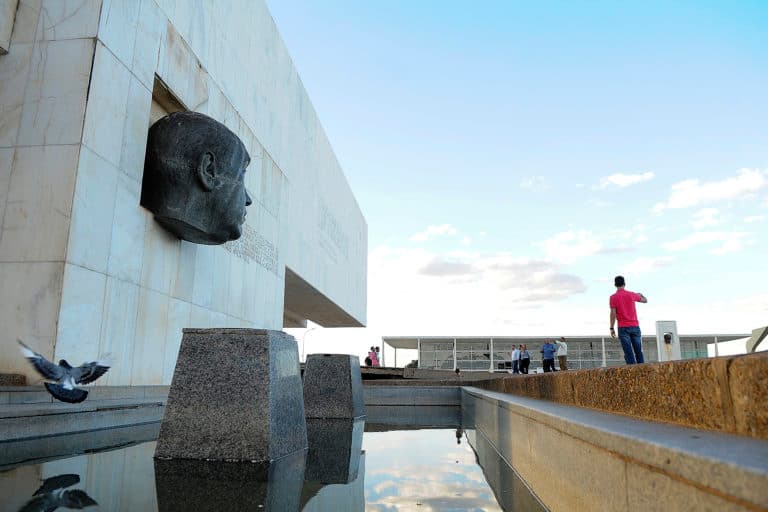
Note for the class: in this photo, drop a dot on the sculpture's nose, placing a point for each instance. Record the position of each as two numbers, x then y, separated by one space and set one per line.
248 200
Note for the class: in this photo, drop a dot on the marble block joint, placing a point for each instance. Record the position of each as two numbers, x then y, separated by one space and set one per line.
333 387
236 395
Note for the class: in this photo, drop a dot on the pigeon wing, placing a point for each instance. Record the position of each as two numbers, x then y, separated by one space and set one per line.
77 499
89 372
57 482
44 367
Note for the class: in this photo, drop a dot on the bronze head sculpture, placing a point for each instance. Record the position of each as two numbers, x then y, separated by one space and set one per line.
193 178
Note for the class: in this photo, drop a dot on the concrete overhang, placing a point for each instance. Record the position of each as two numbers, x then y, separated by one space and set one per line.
304 302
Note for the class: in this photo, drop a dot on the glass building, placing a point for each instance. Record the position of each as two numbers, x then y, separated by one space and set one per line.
476 353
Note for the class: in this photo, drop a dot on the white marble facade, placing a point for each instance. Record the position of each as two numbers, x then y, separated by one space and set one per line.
84 269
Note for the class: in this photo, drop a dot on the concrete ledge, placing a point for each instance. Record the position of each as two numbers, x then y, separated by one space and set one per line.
27 421
578 459
411 395
38 394
725 394
37 450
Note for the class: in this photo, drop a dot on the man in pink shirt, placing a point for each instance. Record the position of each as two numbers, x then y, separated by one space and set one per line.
622 305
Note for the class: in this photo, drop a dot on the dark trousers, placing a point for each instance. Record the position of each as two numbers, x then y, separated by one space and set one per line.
632 343
515 366
549 365
524 364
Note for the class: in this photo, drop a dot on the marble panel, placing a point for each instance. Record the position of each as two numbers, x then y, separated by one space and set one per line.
221 320
128 227
181 71
161 258
14 70
93 210
82 306
202 290
135 129
68 19
118 330
54 102
200 317
105 115
179 317
118 26
25 24
184 278
250 288
35 290
149 343
235 292
37 213
6 164
222 268
150 31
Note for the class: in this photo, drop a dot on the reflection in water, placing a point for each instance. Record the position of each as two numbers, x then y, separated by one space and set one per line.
424 469
184 484
344 469
52 495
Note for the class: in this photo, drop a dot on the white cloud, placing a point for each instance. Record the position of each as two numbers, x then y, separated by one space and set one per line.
644 265
706 218
466 241
624 180
754 218
639 239
414 291
570 246
535 183
694 192
727 241
434 231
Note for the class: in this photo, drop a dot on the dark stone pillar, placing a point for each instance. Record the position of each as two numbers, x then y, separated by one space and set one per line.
236 395
333 387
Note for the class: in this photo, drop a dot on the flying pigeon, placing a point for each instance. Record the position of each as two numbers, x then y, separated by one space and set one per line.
51 495
65 376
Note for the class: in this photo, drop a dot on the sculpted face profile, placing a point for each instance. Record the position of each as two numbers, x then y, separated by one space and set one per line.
193 178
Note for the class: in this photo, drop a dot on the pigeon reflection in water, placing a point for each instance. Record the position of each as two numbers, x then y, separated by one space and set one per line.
65 376
51 495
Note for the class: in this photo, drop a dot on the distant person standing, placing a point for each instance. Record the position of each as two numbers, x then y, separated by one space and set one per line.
548 356
372 356
622 305
525 359
515 359
562 353
378 358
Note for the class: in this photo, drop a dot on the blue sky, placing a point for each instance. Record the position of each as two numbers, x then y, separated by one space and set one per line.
512 157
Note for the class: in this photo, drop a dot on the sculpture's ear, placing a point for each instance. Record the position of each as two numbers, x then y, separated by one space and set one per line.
206 170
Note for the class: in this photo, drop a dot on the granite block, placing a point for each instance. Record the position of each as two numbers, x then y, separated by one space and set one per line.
333 387
334 451
236 395
200 485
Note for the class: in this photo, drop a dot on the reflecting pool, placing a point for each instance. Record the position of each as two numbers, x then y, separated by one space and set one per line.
389 463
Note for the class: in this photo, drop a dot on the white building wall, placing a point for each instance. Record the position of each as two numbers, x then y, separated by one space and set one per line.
111 279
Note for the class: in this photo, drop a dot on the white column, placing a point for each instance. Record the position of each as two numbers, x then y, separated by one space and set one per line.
418 352
716 352
492 367
454 355
604 362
